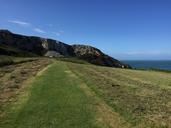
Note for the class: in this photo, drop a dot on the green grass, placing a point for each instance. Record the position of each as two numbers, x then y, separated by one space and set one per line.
54 100
70 94
142 98
73 60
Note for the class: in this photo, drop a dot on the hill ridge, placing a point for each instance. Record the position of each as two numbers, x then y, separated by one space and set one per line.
53 48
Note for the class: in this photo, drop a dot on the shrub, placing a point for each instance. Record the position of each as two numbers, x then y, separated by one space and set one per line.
5 60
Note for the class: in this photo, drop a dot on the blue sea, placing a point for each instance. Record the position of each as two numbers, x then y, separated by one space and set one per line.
146 64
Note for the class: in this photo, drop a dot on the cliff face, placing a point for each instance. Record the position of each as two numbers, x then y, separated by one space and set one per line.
48 47
61 48
33 44
97 57
30 44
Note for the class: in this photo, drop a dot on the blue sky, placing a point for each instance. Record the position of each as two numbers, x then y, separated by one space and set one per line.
125 29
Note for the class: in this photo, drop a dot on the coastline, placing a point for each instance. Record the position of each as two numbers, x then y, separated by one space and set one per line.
155 65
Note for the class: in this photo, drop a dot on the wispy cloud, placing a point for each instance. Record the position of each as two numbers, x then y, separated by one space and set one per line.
146 53
58 33
18 22
39 30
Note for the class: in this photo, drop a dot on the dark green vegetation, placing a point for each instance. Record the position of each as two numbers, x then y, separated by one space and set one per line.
12 51
73 94
4 60
8 60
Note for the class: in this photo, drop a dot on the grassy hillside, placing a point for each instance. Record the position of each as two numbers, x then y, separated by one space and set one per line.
12 51
51 102
142 98
5 60
73 60
8 60
57 98
73 95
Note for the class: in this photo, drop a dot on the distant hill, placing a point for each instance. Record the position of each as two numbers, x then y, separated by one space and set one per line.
20 45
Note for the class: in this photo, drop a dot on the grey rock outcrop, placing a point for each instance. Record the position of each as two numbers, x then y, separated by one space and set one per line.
53 54
97 57
36 45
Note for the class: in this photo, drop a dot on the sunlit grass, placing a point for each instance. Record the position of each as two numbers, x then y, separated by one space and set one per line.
141 97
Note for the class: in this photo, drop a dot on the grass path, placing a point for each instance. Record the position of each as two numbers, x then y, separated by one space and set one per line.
58 99
70 95
142 98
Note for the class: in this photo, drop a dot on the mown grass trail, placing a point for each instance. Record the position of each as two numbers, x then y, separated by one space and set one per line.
142 98
54 101
70 95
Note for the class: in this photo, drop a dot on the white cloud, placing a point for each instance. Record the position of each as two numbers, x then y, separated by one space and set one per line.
39 30
21 23
58 33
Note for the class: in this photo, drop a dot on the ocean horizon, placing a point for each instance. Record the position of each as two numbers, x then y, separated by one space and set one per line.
149 64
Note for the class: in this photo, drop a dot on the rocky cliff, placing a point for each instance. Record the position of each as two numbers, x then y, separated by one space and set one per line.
52 48
97 57
33 44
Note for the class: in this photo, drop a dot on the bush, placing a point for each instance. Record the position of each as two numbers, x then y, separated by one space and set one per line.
5 60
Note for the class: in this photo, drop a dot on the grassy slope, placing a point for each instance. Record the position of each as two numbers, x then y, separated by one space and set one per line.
8 60
61 98
54 100
11 51
13 77
5 60
142 98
